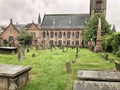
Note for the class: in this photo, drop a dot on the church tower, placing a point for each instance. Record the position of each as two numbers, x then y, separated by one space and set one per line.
98 6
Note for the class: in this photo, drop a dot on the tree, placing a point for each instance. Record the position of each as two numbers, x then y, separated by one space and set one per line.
111 43
25 38
92 27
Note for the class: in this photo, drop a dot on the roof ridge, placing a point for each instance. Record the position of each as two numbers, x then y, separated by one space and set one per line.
66 14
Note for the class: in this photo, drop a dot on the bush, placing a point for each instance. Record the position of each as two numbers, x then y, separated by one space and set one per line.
118 53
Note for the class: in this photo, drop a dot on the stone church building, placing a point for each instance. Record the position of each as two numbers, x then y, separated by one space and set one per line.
68 29
57 29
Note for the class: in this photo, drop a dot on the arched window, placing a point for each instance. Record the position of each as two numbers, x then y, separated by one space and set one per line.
51 42
68 35
77 35
77 42
43 34
60 42
68 42
52 35
73 34
60 34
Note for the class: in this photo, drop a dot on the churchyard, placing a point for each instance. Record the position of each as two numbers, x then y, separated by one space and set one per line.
49 66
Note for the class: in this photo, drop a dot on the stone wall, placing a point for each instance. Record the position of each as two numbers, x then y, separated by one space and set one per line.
64 39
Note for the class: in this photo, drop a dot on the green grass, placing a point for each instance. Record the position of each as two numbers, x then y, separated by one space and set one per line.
49 69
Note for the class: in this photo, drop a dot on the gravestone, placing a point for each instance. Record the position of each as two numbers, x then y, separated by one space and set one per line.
96 85
8 50
51 46
91 44
33 55
37 47
74 60
102 55
97 80
63 48
13 77
117 65
28 50
1 41
99 75
106 56
21 52
76 55
68 66
111 60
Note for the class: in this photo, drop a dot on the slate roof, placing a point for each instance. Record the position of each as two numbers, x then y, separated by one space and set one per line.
20 27
65 21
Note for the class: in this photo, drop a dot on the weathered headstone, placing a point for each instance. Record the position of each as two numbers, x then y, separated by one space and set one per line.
99 75
51 46
106 56
73 61
117 65
76 55
33 55
96 85
68 66
97 80
28 50
63 48
1 41
21 52
91 44
102 55
111 60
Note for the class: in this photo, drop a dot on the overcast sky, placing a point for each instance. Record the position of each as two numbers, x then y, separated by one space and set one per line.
26 11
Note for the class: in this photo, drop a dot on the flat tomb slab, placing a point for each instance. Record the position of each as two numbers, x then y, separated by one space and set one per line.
8 50
13 76
96 85
99 75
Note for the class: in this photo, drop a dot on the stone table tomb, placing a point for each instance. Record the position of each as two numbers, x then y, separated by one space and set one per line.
8 50
13 77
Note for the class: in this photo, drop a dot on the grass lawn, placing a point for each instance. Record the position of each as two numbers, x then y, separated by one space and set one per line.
49 69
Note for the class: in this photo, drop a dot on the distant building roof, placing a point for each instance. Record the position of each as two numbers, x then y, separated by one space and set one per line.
20 27
65 21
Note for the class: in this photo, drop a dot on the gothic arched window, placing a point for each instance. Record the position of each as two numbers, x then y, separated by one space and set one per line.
68 42
44 35
51 42
77 35
68 35
60 34
52 35
77 42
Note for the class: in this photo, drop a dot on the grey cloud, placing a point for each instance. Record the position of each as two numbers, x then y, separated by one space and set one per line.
24 11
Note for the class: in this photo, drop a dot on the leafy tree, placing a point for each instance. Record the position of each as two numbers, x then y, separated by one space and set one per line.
25 38
111 43
106 43
92 27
